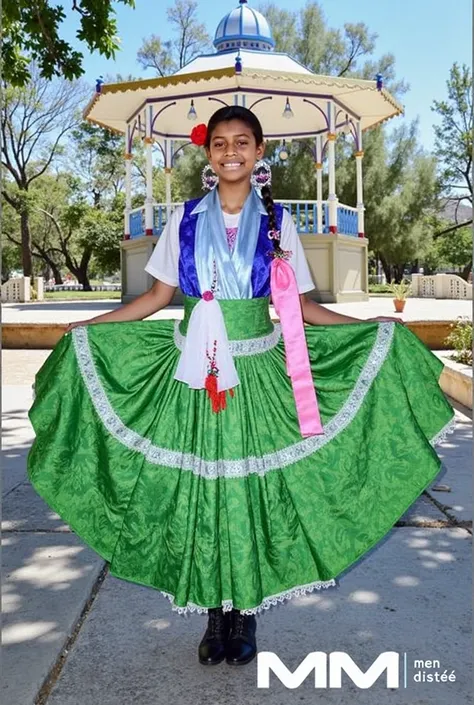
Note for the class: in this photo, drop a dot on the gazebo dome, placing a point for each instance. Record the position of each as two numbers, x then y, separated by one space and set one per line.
243 27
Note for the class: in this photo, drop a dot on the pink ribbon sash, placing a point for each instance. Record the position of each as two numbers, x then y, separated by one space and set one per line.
286 301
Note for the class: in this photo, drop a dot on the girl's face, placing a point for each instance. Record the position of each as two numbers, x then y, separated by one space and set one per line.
233 151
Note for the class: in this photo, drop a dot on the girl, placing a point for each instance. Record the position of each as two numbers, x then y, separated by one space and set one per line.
226 461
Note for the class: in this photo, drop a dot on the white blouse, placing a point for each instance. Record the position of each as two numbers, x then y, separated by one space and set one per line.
163 263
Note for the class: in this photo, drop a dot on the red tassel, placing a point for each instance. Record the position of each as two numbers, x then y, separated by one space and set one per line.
218 399
211 388
222 401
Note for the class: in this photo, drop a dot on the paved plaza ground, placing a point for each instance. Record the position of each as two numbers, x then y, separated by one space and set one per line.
99 640
67 311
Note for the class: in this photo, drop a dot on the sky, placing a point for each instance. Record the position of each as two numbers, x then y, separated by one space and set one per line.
425 36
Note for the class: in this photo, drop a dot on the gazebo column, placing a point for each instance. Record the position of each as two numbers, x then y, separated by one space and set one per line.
332 198
360 193
128 194
148 174
168 171
318 165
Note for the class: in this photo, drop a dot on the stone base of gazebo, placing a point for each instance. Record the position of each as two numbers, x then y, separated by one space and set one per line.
339 267
338 264
134 255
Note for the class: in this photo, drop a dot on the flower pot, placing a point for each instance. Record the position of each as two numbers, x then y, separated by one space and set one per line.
399 305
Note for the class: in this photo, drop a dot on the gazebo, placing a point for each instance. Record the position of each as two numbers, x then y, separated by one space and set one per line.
291 102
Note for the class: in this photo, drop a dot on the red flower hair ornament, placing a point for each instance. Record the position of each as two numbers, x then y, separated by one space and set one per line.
199 135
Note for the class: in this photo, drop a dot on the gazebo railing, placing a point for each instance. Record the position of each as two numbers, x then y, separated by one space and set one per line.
304 213
136 222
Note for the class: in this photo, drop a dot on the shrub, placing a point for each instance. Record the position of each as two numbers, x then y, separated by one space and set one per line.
460 339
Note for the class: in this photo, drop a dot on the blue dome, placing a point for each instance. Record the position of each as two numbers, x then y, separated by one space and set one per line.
243 27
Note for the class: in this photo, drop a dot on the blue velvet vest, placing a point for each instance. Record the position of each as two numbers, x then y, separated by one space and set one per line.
188 279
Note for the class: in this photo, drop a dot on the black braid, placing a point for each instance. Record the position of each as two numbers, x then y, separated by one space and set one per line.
270 208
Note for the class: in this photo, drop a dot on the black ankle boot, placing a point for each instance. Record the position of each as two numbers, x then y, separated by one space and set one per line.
212 647
241 645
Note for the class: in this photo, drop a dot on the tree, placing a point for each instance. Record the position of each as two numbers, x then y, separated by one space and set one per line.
400 191
47 193
98 160
34 120
456 250
32 30
304 35
453 136
166 57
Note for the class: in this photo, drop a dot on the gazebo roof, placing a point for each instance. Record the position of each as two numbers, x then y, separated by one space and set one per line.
243 27
251 59
265 92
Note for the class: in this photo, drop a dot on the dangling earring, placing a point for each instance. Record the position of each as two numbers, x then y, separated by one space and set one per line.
261 175
209 178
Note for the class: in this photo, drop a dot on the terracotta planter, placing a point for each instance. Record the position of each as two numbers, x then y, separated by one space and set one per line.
399 305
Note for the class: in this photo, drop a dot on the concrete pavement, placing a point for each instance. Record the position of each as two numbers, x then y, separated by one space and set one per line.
67 311
410 594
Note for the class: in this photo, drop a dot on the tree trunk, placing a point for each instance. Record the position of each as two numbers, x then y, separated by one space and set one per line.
80 271
387 269
56 273
466 270
42 254
25 245
83 267
83 278
399 269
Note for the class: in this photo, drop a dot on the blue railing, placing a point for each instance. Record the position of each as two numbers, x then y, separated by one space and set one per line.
346 221
137 223
159 219
325 218
305 216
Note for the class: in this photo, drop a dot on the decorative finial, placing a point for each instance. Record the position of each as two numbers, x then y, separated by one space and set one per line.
243 2
238 63
98 84
379 79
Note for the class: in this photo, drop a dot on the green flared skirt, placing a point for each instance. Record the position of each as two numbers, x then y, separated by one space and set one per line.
235 508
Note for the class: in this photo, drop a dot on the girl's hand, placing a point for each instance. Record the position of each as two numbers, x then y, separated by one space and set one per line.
78 323
387 318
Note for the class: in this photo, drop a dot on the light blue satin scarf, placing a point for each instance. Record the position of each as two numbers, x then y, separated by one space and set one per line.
234 269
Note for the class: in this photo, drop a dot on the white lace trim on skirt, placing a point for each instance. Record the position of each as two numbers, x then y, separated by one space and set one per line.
268 602
212 469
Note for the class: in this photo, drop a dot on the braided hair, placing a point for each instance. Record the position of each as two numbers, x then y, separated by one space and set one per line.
237 112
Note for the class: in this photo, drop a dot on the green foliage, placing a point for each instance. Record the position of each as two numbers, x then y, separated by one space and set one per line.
34 121
453 136
188 171
460 339
159 186
380 289
400 191
81 295
306 36
400 290
452 250
33 30
11 256
104 231
98 160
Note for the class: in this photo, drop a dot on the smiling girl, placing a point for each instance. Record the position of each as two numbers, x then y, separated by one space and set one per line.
227 461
